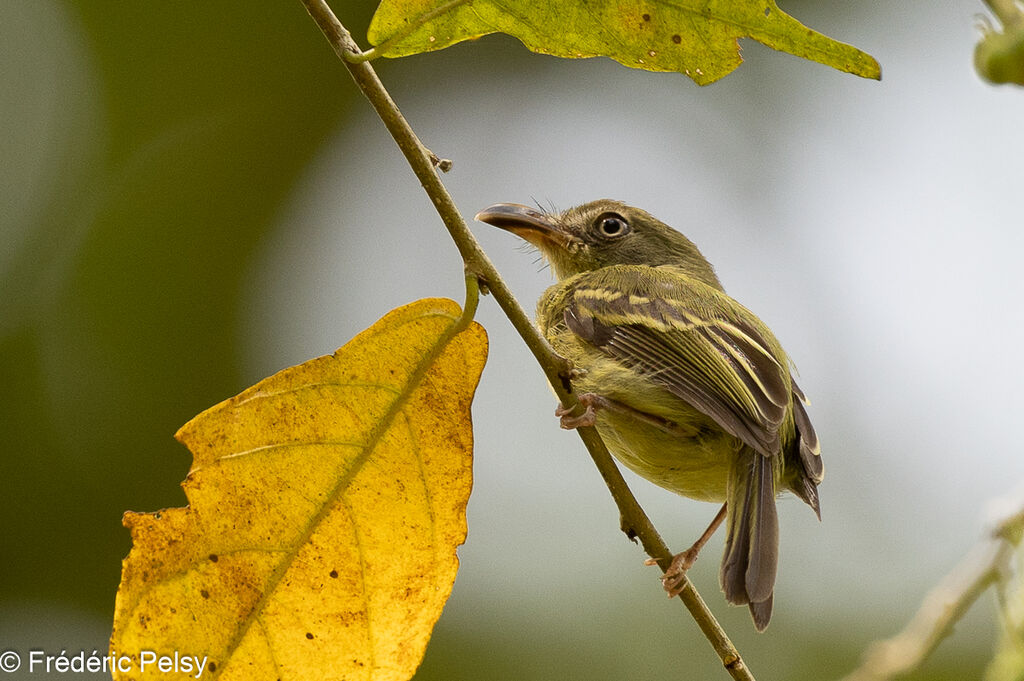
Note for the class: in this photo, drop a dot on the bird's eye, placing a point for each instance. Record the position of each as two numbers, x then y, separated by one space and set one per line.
612 225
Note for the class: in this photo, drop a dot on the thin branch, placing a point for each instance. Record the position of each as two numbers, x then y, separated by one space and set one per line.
941 609
420 159
986 564
635 521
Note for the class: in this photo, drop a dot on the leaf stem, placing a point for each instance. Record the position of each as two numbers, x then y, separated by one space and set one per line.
479 266
472 300
409 29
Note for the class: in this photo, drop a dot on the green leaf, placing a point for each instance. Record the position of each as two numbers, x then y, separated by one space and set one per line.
695 37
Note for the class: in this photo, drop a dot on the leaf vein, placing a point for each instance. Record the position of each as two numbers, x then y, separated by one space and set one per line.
427 360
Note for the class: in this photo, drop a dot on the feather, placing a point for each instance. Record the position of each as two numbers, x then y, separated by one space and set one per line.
751 558
722 367
809 448
811 469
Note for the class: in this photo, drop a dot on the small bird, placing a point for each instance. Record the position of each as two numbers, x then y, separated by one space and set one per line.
688 388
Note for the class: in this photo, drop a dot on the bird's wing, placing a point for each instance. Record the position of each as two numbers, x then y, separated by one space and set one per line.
667 328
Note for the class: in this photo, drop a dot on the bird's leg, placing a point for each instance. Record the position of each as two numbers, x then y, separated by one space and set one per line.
592 402
675 576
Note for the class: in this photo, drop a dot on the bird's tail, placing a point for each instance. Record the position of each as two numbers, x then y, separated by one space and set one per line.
752 537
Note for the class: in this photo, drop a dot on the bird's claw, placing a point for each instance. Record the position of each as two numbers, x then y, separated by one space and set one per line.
590 402
674 579
569 422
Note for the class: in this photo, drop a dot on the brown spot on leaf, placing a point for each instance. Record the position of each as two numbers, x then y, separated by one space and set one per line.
647 17
204 593
213 558
677 38
309 636
334 574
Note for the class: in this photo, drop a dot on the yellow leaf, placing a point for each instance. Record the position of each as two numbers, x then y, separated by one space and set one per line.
695 37
325 506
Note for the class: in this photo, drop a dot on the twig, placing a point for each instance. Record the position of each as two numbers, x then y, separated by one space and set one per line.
635 521
986 564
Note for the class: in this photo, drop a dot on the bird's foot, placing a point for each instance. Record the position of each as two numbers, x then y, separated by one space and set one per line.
590 402
674 579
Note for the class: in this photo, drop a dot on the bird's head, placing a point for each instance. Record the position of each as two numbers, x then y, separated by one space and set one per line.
599 234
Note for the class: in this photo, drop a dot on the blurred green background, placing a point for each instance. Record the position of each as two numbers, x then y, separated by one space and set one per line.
195 196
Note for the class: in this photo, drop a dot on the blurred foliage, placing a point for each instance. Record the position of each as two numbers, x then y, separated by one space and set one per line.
119 318
999 55
1008 664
